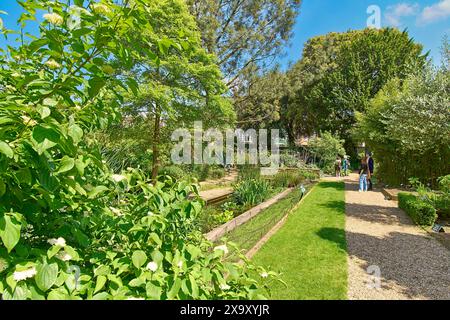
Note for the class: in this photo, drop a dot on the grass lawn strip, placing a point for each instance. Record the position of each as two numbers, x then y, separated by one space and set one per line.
310 249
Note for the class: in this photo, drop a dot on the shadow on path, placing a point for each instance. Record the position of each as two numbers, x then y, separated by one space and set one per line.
412 264
407 260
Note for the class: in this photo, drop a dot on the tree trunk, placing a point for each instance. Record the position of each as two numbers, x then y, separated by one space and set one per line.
156 142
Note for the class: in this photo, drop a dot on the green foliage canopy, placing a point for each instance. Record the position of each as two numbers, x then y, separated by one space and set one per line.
245 35
408 127
69 227
339 74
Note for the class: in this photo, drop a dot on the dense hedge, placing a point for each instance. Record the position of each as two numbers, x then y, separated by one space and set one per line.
407 127
420 211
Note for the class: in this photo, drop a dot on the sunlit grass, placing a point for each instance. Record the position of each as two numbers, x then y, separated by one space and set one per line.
310 250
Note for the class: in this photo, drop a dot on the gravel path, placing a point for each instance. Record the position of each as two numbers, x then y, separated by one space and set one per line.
381 237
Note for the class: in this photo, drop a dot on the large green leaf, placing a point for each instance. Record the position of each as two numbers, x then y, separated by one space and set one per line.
173 292
133 85
101 280
97 190
6 149
43 111
153 291
76 133
9 231
95 84
46 275
139 257
41 133
45 138
58 294
67 164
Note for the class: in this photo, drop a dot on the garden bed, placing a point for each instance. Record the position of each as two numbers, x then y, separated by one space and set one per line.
220 231
249 192
249 234
425 215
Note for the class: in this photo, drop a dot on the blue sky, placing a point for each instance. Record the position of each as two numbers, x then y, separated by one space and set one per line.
426 20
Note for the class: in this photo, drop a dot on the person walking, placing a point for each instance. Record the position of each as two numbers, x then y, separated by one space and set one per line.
337 167
371 164
345 166
364 174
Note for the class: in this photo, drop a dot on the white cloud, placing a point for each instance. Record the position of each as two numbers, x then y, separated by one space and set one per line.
394 13
435 12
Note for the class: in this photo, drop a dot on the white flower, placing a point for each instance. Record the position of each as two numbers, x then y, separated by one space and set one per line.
28 121
118 177
222 247
180 264
54 18
264 275
22 275
64 256
152 266
57 242
150 213
52 64
100 8
224 287
134 298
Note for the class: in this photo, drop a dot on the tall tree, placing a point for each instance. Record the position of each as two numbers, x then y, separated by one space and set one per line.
340 73
244 33
301 110
260 102
178 84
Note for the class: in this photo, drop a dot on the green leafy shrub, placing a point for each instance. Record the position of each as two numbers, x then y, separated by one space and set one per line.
289 160
442 206
232 206
326 148
310 175
405 142
217 173
444 184
281 180
204 172
251 192
212 217
173 171
440 200
69 227
442 203
287 179
248 172
423 213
